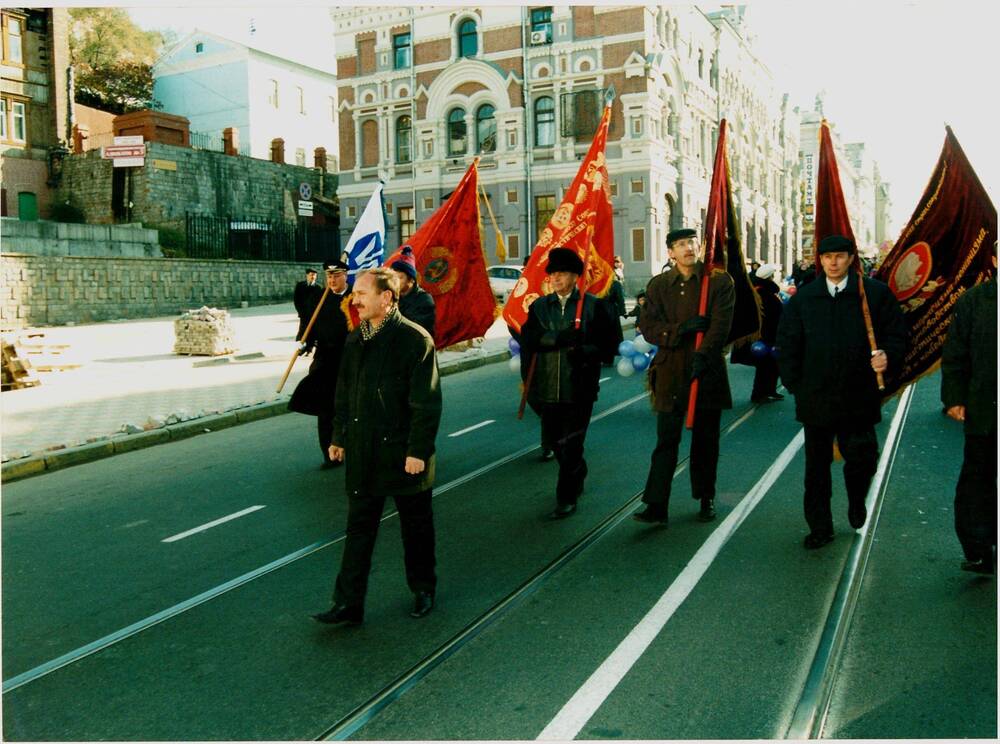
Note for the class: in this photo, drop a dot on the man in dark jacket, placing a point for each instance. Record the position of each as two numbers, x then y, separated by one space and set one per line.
415 303
314 395
567 366
765 379
305 297
387 417
670 320
826 362
969 394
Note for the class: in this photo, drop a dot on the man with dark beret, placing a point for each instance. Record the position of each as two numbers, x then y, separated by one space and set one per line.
670 320
827 363
567 368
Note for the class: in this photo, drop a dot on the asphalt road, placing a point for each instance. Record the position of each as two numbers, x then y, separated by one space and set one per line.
84 557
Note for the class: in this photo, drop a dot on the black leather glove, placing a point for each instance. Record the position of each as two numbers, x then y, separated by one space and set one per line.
693 325
699 363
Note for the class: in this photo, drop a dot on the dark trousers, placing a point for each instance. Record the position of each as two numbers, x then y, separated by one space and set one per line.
976 497
324 427
765 379
303 322
416 522
859 447
704 455
564 428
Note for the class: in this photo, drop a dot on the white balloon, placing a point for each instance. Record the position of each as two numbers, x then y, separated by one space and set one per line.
625 368
642 345
515 363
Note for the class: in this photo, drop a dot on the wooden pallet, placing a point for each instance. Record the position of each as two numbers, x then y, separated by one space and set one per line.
17 371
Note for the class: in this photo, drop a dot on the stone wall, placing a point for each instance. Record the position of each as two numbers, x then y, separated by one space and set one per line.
66 239
50 290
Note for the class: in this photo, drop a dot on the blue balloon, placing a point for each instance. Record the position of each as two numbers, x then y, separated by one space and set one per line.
759 349
626 348
514 346
774 351
640 362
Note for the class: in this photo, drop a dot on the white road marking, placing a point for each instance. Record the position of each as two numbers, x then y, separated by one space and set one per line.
604 379
585 702
210 525
480 425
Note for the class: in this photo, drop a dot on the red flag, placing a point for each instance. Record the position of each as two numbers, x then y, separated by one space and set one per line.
831 209
451 265
582 223
945 249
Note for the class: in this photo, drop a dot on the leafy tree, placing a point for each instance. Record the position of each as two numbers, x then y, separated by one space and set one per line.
112 59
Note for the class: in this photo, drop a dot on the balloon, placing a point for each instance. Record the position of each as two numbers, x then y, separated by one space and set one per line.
640 362
625 368
759 349
792 290
514 346
626 348
774 352
515 363
641 345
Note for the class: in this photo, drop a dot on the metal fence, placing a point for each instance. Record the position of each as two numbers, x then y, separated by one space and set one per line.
252 239
213 142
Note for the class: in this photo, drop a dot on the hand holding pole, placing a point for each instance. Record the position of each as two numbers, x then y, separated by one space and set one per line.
305 335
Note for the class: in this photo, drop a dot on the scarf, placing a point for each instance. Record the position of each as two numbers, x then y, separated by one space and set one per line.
368 331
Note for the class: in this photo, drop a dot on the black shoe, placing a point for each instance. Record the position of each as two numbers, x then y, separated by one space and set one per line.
562 511
816 540
547 454
775 397
340 614
707 513
857 515
982 566
423 603
652 514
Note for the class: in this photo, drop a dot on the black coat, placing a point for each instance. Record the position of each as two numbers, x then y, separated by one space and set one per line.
305 298
314 395
418 305
388 408
771 308
824 356
969 359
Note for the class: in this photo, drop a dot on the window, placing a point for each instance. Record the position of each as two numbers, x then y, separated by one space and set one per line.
541 23
18 127
637 186
302 99
513 245
428 202
404 128
581 112
511 196
637 126
511 139
545 207
639 244
388 207
400 51
3 119
272 96
545 122
486 129
12 49
352 211
407 224
468 41
199 48
457 144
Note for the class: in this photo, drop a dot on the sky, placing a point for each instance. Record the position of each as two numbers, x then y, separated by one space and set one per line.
893 72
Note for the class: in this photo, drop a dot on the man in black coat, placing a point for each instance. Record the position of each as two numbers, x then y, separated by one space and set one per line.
969 394
305 297
415 303
387 417
765 379
826 362
565 380
314 395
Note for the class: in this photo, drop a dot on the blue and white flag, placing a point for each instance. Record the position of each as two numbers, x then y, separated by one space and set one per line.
366 248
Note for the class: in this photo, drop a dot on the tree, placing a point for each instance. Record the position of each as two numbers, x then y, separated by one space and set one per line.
112 59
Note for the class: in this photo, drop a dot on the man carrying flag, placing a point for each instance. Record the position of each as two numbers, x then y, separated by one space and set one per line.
366 247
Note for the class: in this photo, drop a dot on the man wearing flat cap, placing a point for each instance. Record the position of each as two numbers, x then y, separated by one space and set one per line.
827 363
670 320
415 304
314 395
305 297
567 368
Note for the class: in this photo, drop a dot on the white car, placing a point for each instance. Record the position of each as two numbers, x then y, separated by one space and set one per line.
502 280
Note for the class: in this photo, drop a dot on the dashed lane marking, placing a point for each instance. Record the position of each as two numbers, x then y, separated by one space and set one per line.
213 523
467 429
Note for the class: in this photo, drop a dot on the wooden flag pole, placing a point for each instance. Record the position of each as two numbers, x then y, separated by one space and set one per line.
501 248
868 326
305 335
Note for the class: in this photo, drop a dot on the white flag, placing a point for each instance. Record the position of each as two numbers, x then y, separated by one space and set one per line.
366 248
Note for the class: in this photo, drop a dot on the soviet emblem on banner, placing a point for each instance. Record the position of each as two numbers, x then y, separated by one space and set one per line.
439 275
910 280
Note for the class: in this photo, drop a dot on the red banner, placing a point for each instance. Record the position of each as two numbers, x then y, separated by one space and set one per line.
945 249
831 209
582 223
451 266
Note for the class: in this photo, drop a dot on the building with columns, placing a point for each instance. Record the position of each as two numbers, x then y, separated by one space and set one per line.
423 90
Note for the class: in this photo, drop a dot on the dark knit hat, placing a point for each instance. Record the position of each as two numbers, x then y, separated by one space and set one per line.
675 235
563 259
405 263
835 244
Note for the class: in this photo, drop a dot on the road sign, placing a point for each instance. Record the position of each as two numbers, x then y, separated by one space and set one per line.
131 139
128 162
110 152
305 191
305 208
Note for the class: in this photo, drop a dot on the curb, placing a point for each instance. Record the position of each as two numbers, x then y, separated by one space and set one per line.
119 444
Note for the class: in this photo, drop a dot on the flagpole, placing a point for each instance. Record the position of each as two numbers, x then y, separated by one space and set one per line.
305 335
868 326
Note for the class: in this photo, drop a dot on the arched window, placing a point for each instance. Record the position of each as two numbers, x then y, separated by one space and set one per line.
457 144
486 129
404 127
545 122
468 42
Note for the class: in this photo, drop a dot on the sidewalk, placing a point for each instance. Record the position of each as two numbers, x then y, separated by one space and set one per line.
132 391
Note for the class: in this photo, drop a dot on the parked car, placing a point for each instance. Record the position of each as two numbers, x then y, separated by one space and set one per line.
502 280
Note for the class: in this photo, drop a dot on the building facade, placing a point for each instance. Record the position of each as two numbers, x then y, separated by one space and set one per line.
34 115
423 90
217 83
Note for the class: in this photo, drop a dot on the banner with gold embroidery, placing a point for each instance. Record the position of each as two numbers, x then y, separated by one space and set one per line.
583 224
451 265
945 248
